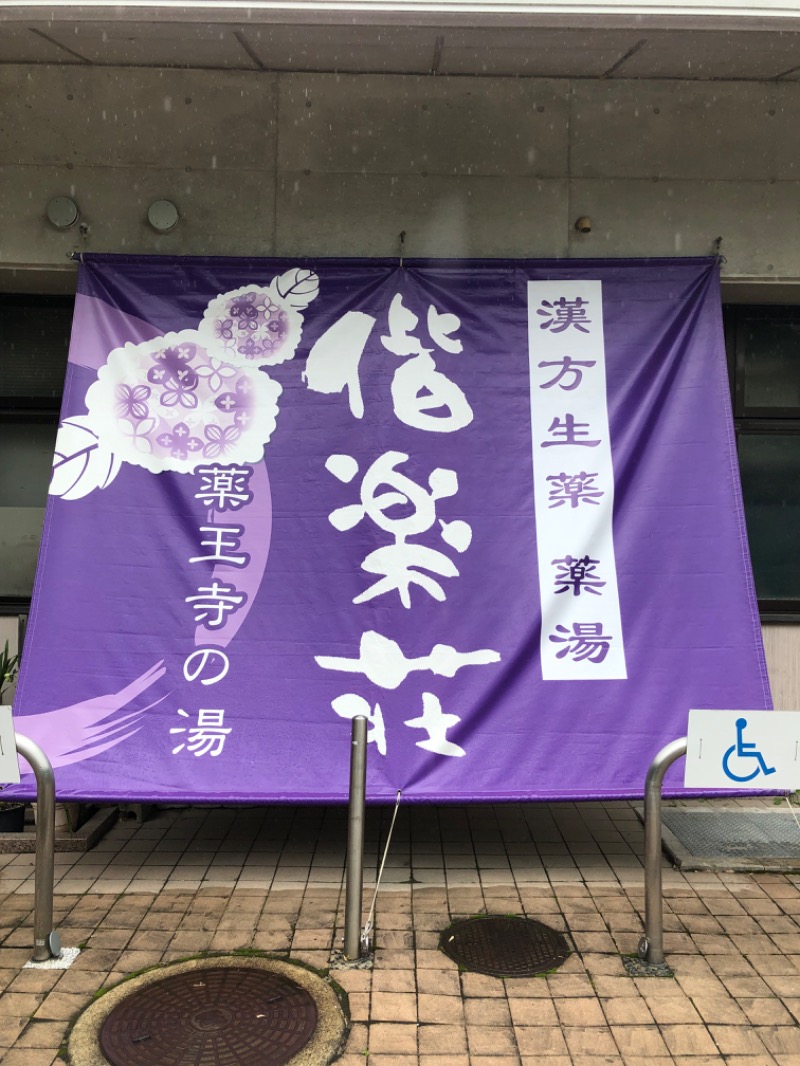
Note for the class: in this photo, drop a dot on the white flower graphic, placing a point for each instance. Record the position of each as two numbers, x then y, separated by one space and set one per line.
178 386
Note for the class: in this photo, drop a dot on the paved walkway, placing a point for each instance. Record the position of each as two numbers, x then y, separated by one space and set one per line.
271 879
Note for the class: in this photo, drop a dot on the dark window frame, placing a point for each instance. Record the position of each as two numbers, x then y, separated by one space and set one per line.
28 410
740 316
761 421
36 410
15 303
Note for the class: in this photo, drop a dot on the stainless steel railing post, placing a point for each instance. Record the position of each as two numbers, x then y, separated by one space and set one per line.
651 946
355 839
46 944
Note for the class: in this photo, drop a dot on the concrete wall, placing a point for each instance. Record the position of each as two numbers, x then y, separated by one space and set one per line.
322 164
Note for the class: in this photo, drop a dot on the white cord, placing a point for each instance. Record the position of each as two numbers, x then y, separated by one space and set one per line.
368 924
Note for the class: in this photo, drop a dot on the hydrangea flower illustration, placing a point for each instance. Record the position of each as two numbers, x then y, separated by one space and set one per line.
174 402
250 348
245 311
259 325
216 374
131 401
157 405
239 403
137 434
176 375
220 441
180 441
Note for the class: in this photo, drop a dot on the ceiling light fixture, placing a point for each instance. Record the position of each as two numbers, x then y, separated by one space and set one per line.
163 215
62 212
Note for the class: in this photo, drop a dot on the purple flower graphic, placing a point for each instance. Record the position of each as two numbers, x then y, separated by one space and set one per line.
239 404
131 401
249 348
180 392
245 311
174 365
274 335
223 329
180 442
220 441
227 402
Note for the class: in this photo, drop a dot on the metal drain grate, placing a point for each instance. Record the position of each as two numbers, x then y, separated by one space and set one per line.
504 946
224 1016
734 834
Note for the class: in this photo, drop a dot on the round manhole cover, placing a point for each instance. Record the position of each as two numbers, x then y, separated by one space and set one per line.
504 946
223 1016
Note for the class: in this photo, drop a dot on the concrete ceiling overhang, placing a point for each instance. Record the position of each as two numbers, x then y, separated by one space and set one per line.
567 38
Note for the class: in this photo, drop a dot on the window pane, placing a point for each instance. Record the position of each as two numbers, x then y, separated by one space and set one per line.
771 362
769 466
26 457
34 340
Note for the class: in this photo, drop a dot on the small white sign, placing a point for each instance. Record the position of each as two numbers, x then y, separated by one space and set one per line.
743 749
9 764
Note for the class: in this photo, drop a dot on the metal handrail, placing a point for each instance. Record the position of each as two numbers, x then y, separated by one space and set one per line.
651 946
46 942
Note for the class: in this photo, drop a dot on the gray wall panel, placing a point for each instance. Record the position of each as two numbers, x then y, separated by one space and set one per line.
380 124
448 217
137 117
733 131
759 222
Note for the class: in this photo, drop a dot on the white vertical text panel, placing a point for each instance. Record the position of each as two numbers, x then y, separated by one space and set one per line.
573 481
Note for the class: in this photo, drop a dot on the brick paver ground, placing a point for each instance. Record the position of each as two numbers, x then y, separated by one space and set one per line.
191 881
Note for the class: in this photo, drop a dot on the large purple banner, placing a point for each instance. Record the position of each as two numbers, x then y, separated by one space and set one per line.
493 506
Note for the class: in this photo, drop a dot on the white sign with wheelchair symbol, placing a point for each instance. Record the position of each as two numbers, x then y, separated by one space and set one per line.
743 749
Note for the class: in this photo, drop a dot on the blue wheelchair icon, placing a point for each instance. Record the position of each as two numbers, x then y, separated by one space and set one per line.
744 750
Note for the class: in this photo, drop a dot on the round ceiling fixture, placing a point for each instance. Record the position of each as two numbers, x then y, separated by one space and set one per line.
162 215
62 212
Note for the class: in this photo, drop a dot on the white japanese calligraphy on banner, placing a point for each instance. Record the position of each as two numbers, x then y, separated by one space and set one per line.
424 399
573 482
